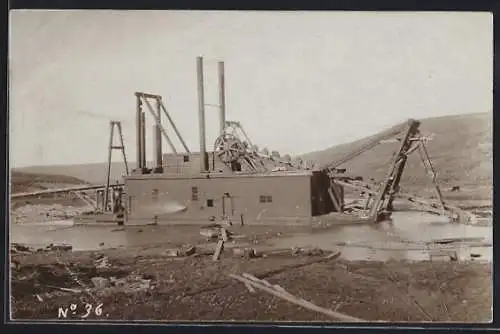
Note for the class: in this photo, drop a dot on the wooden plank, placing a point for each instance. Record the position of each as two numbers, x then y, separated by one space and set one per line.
334 199
292 299
63 190
224 235
218 250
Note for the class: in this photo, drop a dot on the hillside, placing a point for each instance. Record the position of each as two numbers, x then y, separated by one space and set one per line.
24 182
461 152
94 173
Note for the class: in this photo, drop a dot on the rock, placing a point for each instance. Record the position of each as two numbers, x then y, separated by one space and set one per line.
248 253
238 251
61 247
210 233
100 282
227 223
186 250
14 265
20 248
101 263
120 282
171 252
314 251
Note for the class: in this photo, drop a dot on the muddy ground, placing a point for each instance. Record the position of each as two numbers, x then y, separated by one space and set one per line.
147 283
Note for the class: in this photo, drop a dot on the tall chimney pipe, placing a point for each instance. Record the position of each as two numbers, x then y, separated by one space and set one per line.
201 116
143 139
158 146
222 97
139 132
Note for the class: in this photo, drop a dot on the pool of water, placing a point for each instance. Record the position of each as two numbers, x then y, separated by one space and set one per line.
403 238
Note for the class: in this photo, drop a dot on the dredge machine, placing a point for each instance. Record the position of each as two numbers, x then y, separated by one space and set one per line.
236 179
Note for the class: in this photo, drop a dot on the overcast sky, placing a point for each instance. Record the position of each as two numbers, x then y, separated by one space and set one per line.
298 81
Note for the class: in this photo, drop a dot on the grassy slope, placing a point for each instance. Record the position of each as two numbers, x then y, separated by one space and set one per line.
92 173
461 152
22 181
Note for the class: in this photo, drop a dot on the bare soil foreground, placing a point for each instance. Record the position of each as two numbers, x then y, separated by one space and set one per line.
151 283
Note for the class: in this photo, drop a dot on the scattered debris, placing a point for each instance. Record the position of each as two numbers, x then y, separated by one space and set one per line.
254 282
183 251
100 282
32 213
440 254
129 284
61 247
171 252
209 233
248 253
102 262
16 248
64 289
214 231
454 240
313 251
187 250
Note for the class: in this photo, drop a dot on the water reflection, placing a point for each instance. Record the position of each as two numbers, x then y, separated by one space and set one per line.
403 238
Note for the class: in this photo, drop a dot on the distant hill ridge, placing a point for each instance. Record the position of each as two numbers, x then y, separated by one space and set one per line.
24 182
461 152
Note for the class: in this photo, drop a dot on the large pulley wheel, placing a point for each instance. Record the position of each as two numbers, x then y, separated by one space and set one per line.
229 148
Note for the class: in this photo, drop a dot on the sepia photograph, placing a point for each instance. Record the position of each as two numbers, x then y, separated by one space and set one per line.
250 166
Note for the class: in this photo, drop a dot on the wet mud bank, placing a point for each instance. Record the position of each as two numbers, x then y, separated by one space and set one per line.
135 285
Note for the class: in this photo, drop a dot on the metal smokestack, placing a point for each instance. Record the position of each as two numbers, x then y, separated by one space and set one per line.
201 116
222 97
139 132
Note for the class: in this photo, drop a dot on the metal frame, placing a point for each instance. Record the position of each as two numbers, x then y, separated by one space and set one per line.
111 147
144 98
379 202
